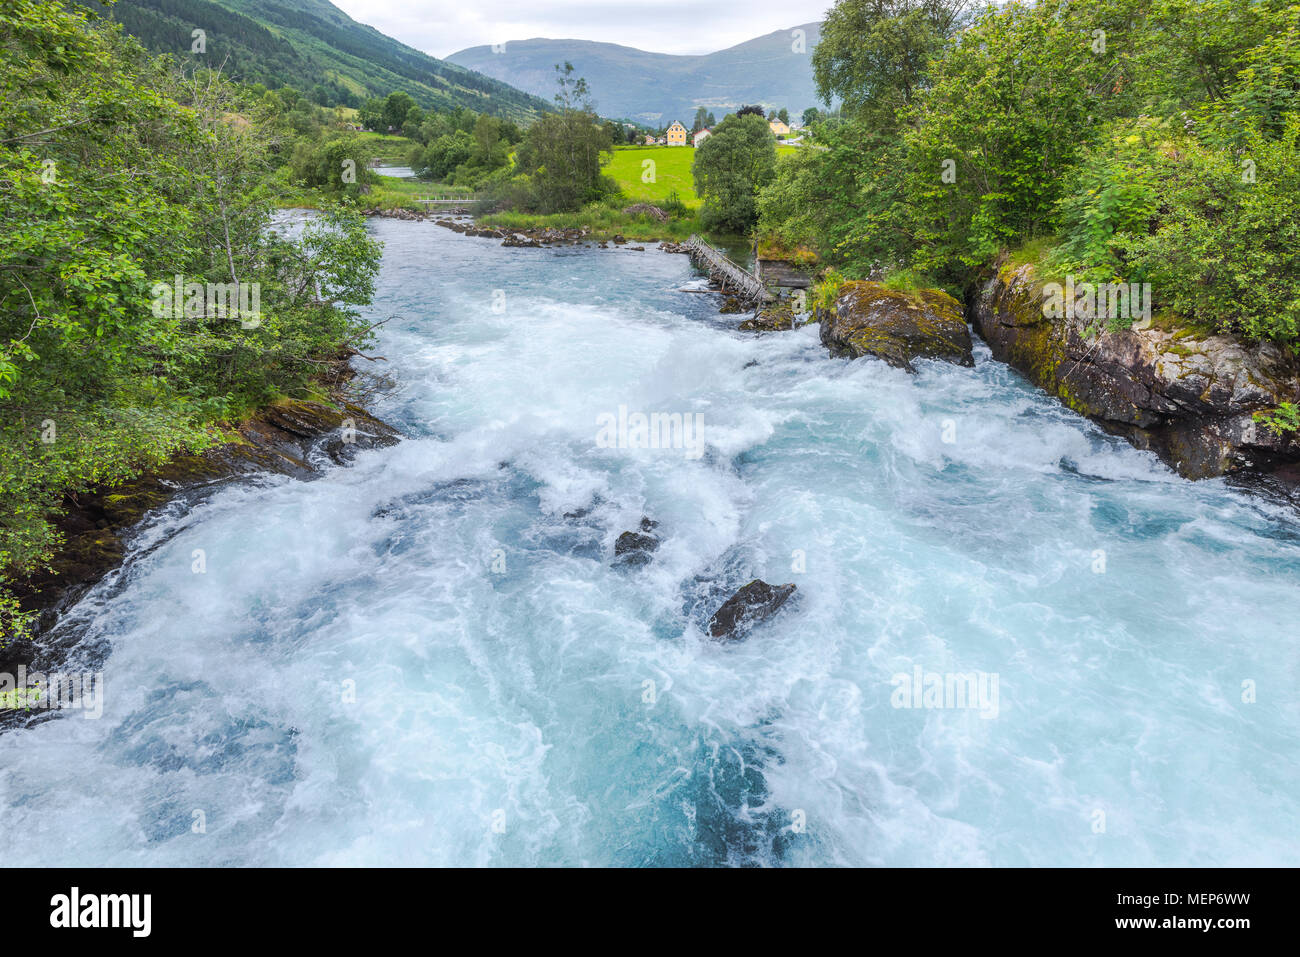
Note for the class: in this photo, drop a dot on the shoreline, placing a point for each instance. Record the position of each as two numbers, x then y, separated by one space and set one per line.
299 438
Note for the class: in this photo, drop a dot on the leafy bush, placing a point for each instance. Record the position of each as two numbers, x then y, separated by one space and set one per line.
1225 248
827 290
1110 197
1285 418
338 164
674 206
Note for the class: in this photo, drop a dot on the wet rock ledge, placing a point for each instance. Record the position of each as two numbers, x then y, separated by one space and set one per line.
1188 395
293 437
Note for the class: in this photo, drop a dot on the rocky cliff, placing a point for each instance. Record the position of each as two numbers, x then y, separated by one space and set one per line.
1188 395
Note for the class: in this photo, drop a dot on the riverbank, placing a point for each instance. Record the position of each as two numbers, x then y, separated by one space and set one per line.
1207 403
1203 401
298 438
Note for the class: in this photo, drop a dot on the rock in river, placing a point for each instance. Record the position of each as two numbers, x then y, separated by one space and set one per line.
870 319
636 548
1189 394
755 602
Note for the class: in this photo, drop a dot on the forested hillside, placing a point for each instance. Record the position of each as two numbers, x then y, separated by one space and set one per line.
314 47
143 299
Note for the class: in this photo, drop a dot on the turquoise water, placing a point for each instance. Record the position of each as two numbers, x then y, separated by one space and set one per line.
427 658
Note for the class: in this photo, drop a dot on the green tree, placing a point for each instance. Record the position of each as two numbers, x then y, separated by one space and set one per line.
121 176
875 54
336 164
564 151
371 114
730 167
982 174
396 107
445 154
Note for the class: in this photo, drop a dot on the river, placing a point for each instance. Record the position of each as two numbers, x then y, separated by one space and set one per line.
427 658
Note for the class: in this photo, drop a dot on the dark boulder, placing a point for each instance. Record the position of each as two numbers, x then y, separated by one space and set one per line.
755 602
777 317
636 548
870 319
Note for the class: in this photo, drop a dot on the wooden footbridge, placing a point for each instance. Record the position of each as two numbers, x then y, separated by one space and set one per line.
437 202
738 281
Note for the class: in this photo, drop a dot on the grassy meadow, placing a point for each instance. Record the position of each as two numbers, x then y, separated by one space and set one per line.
671 174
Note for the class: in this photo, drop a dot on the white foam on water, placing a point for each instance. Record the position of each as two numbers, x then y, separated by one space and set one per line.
356 679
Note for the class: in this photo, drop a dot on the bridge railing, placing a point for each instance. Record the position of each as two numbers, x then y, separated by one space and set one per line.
740 276
457 200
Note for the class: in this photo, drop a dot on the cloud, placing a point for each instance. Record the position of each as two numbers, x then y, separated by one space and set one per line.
441 27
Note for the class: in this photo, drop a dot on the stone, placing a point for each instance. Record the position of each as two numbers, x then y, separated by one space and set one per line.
777 317
870 319
752 604
633 549
1190 395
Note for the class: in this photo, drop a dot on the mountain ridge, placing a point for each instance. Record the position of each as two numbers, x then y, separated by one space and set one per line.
315 47
774 70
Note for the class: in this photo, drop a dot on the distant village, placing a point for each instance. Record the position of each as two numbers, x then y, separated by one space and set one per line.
677 134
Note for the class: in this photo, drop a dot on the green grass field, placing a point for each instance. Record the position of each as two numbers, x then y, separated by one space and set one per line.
671 172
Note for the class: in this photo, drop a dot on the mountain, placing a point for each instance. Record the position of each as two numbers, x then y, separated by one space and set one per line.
315 47
657 88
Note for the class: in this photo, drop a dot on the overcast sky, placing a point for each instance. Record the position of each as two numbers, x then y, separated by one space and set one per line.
440 27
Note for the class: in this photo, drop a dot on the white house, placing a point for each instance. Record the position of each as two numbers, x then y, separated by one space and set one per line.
700 137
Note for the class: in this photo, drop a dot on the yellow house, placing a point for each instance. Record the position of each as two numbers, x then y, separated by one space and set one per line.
779 128
676 134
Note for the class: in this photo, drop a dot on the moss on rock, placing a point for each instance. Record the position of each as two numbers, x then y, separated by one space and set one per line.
870 319
1170 387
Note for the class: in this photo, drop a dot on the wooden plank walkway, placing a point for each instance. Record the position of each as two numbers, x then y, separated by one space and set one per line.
734 279
446 201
